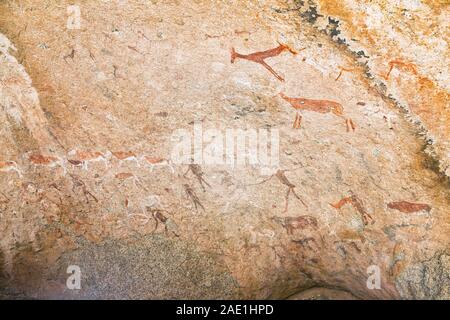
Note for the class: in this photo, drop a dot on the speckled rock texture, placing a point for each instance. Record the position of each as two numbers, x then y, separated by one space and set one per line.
87 117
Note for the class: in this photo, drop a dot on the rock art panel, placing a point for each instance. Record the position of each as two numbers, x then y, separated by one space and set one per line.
88 177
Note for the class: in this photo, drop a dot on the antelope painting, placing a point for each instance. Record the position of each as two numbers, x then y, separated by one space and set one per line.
401 65
125 156
46 160
409 207
300 222
156 162
354 201
342 70
82 158
320 106
261 56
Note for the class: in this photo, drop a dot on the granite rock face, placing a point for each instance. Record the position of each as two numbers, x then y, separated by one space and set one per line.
89 113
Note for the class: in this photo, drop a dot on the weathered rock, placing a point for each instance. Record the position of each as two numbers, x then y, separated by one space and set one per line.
87 178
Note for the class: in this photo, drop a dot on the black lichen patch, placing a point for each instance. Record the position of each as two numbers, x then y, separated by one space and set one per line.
361 53
278 10
299 3
333 27
311 14
332 30
368 74
341 41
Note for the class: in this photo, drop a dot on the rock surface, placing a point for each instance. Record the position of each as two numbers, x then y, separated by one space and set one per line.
86 177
